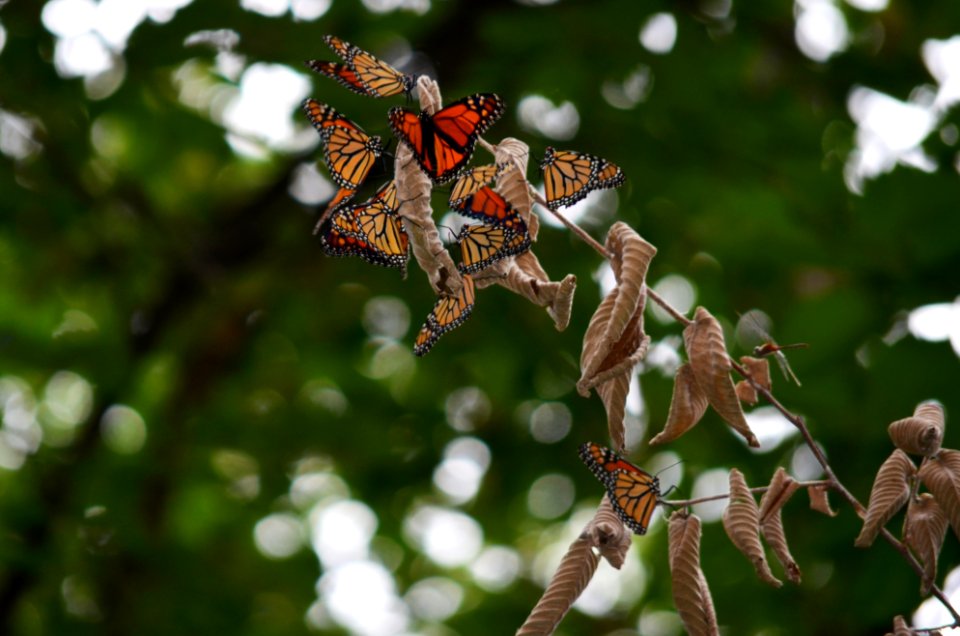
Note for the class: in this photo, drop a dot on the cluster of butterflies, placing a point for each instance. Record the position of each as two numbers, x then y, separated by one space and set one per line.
633 492
442 144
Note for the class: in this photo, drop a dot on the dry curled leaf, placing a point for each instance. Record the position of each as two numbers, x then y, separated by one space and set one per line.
514 155
759 370
523 275
690 592
741 520
819 500
611 537
613 393
703 340
781 488
900 628
687 406
922 433
924 530
891 490
941 475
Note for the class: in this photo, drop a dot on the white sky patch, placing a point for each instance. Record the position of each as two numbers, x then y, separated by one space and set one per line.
634 88
434 599
595 207
20 434
496 568
386 317
770 427
341 531
709 483
889 132
447 537
936 323
269 94
942 58
419 7
659 33
676 290
550 422
610 589
538 114
309 186
804 465
869 5
467 407
458 476
821 30
362 596
278 536
3 37
17 135
550 496
932 613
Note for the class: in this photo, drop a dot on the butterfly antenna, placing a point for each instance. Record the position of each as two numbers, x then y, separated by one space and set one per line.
662 470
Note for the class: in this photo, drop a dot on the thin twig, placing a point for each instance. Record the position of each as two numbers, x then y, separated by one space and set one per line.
667 307
682 503
573 227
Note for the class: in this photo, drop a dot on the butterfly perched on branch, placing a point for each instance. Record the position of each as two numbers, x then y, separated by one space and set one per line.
568 176
361 72
633 492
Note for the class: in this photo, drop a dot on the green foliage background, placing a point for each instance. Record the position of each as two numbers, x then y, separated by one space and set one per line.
216 315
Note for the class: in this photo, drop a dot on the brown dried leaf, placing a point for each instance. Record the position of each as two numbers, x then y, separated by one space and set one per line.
631 256
687 406
614 395
611 536
900 627
941 475
891 490
523 275
819 500
741 520
690 592
924 530
594 334
703 339
575 571
781 488
759 370
514 155
922 433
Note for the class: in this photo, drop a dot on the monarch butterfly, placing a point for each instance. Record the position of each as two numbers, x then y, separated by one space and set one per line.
633 492
448 313
470 182
488 206
350 153
569 176
484 245
370 230
443 142
362 72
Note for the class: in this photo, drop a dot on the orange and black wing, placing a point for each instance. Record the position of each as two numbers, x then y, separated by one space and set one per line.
470 182
633 492
342 73
487 206
448 313
568 176
361 72
370 230
324 116
443 143
484 245
350 155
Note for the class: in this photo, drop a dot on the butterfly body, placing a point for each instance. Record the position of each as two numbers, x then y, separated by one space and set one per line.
443 143
484 245
633 492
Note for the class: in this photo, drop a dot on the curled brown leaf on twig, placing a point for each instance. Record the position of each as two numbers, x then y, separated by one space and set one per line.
922 433
900 628
605 533
924 530
703 340
741 520
891 490
512 155
941 475
687 406
781 488
819 500
524 276
759 370
691 595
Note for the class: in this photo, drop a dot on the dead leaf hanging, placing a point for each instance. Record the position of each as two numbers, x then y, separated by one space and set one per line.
691 596
819 500
781 488
922 433
741 520
703 340
687 407
759 370
891 490
924 530
941 475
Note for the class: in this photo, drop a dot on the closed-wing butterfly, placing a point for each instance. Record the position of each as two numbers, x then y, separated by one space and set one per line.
443 143
361 72
633 492
568 176
371 230
349 152
484 245
487 206
448 313
470 182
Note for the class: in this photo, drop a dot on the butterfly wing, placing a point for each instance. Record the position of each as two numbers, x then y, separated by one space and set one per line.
449 312
568 176
324 116
342 73
487 206
484 245
350 155
470 182
633 492
383 230
443 143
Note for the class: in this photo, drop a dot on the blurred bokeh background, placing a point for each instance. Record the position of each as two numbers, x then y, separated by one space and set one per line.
210 428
